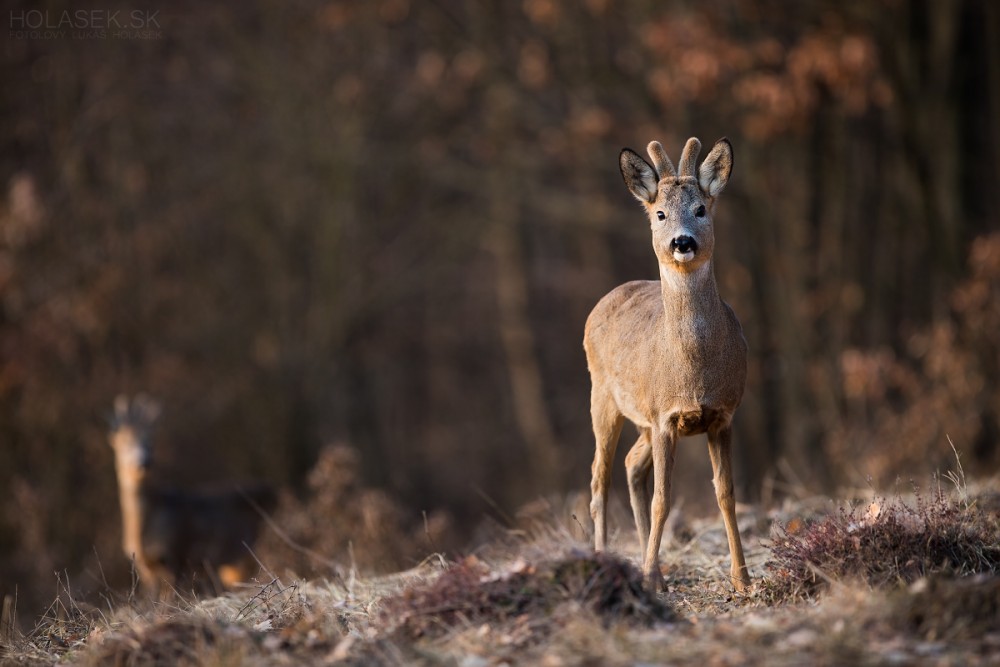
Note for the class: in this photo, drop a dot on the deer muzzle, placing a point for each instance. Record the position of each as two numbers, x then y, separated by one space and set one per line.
683 248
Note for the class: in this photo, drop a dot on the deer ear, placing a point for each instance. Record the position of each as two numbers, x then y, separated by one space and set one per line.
148 407
640 177
715 170
121 408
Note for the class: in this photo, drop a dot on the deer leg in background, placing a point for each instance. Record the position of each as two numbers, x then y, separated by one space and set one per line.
638 463
607 427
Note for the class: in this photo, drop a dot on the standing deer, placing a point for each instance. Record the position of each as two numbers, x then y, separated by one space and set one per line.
168 533
668 354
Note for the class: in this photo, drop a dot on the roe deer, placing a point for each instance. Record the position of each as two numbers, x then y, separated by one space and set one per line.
668 354
170 533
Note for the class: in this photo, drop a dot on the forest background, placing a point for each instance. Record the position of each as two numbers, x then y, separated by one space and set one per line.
382 224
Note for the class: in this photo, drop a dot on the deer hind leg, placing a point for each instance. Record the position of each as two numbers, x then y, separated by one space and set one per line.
607 427
161 583
664 446
719 451
150 576
638 464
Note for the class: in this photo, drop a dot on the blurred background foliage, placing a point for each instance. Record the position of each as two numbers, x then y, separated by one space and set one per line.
382 223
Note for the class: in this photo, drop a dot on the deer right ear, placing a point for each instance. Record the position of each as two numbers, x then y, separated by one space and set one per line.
640 178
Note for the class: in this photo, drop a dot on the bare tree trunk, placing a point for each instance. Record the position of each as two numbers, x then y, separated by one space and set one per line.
516 335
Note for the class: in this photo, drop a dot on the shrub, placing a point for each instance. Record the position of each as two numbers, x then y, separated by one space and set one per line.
883 543
946 383
342 522
468 592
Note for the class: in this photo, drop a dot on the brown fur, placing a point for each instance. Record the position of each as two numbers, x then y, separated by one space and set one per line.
668 355
170 535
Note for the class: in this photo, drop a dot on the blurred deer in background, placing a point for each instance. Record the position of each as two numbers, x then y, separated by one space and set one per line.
171 534
668 354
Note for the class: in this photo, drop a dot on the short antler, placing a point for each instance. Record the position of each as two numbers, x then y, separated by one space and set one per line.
688 158
664 167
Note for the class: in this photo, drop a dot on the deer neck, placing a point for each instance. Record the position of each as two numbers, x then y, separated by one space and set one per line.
691 305
131 493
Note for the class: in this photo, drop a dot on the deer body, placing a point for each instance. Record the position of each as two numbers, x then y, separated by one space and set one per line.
668 355
172 534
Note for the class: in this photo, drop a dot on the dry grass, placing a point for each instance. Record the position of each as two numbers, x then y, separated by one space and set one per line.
472 593
537 595
882 543
341 524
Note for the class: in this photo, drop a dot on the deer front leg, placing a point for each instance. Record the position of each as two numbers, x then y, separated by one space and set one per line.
719 451
638 463
607 427
664 446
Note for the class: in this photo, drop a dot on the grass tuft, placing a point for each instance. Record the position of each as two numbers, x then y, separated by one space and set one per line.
172 641
885 543
948 609
468 592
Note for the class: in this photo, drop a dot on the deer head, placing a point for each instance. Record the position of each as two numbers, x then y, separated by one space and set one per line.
130 436
679 204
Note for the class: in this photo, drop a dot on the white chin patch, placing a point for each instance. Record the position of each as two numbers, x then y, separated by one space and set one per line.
683 256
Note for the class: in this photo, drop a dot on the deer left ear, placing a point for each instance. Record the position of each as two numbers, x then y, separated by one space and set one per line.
715 170
148 407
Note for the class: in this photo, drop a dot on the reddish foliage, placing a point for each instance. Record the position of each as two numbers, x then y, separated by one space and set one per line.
884 543
468 592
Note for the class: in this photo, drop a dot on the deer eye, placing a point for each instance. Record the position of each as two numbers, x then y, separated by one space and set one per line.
660 215
700 213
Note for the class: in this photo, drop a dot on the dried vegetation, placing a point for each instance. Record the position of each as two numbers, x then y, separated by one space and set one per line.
882 543
340 524
471 592
905 580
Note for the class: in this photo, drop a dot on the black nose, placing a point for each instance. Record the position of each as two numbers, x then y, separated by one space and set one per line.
683 245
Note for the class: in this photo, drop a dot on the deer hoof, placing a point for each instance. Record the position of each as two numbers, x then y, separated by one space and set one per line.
655 583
